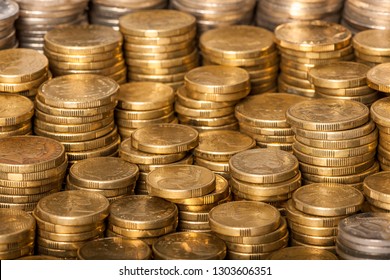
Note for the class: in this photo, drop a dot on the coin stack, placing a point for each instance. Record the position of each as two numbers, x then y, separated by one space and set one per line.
335 141
217 13
31 168
158 145
376 191
372 47
318 43
17 234
9 12
362 237
301 253
378 78
141 217
37 17
159 45
109 176
344 80
141 104
249 47
263 117
77 110
91 49
22 71
315 211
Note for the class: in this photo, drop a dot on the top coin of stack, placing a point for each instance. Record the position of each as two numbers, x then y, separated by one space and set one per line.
372 47
378 78
376 191
9 12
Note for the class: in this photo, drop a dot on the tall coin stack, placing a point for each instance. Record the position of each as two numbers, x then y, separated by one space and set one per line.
250 229
251 48
376 191
372 47
141 104
91 49
159 45
109 176
335 141
78 111
9 12
318 43
31 168
68 219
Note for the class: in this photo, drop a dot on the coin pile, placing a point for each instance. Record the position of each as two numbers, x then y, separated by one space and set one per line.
315 210
378 78
37 17
364 237
335 141
142 217
317 43
141 104
109 176
31 168
77 110
263 117
9 12
189 246
68 219
376 191
301 253
91 49
217 13
249 47
17 234
159 45
372 47
344 80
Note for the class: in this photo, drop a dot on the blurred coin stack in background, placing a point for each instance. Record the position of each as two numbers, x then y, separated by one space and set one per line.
376 191
251 48
372 47
9 12
91 49
37 17
316 43
159 45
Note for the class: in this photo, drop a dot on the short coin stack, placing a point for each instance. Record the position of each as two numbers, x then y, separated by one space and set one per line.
378 78
372 47
318 43
68 219
141 104
301 253
377 192
9 12
109 176
248 47
159 45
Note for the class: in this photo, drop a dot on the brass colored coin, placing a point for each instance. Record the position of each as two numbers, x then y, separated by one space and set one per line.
276 146
313 240
217 97
11 128
372 42
138 233
161 40
269 131
377 77
71 120
315 61
352 91
60 254
313 231
24 130
296 82
108 71
164 63
15 109
143 115
109 193
166 55
182 65
17 87
83 58
58 245
378 203
188 159
374 187
264 61
71 237
31 198
238 195
232 126
96 65
379 112
56 186
293 72
97 143
232 255
271 139
105 151
319 55
143 123
76 128
20 252
17 225
194 216
192 225
203 113
372 58
287 88
365 99
169 78
302 253
336 171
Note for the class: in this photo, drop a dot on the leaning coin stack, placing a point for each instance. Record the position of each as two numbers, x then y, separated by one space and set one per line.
376 191
109 176
335 141
318 43
343 80
78 111
31 168
301 253
223 86
372 47
9 12
363 237
68 219
248 47
316 210
159 45
91 49
141 104
17 234
142 217
263 117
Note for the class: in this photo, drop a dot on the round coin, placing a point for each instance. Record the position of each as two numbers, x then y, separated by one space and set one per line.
15 109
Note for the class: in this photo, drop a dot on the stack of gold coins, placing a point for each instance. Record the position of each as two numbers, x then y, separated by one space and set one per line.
109 176
318 43
335 141
141 104
9 12
378 78
36 17
78 111
17 234
217 147
31 167
344 80
250 229
91 49
376 191
266 175
249 47
189 246
159 45
363 237
372 47
301 253
263 117
142 217
68 219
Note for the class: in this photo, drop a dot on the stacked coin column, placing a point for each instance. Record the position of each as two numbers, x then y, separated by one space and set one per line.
159 45
376 191
372 47
9 12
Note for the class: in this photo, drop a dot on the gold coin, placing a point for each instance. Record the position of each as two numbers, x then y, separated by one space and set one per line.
164 63
335 171
313 231
301 253
293 72
238 195
374 187
294 242
137 123
188 159
17 87
16 109
296 82
203 113
60 254
109 71
139 233
314 61
379 112
169 78
372 58
194 216
109 193
30 190
264 61
192 225
81 58
379 204
153 70
157 49
318 55
24 130
268 131
271 139
75 128
161 41
71 237
96 65
313 240
143 115
372 42
58 245
217 97
213 165
17 253
212 122
71 120
353 91
17 226
108 150
232 255
166 55
232 126
287 88
38 257
377 77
